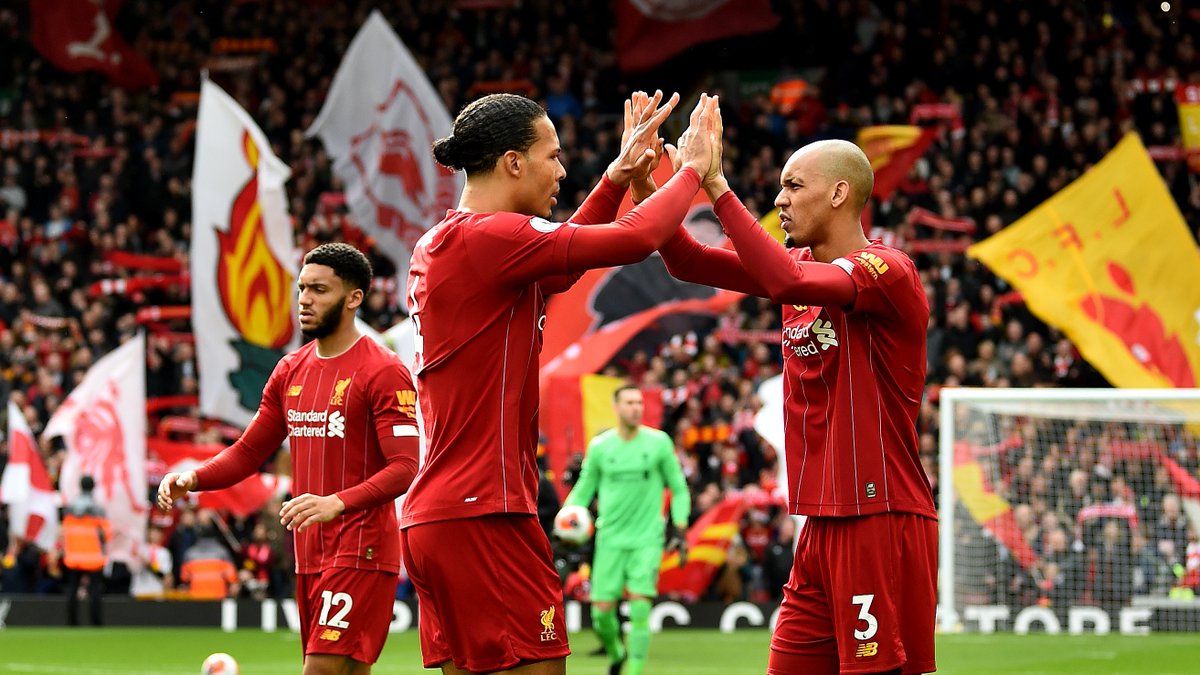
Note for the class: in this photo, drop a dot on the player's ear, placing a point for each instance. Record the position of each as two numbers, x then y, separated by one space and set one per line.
355 298
512 163
840 193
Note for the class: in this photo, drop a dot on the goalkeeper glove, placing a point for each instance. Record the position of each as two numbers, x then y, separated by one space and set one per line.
677 541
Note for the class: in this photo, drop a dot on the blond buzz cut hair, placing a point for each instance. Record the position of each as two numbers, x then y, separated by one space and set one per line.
843 160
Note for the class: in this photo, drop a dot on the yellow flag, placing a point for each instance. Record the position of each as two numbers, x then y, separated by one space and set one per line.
598 412
1110 262
1187 98
771 224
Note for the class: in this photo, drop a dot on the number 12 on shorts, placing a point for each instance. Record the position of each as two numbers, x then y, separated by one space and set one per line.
343 602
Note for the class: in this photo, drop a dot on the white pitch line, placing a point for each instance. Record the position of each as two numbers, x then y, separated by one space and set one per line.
76 670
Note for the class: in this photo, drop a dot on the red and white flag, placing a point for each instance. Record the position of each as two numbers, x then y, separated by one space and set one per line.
103 424
78 35
379 122
25 486
652 31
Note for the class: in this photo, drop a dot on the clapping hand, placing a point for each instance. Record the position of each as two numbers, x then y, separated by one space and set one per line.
706 126
641 147
700 144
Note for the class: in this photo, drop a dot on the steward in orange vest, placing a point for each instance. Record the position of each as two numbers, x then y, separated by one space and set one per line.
85 535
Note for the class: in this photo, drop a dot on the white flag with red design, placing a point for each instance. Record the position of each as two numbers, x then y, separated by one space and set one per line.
25 486
103 425
379 122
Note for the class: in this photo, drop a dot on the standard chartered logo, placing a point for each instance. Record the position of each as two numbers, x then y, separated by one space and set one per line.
316 424
825 333
337 424
799 338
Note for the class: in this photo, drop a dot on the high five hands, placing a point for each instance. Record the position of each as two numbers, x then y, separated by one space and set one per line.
641 147
700 146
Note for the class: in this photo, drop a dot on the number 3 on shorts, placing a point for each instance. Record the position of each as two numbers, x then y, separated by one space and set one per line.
345 602
864 614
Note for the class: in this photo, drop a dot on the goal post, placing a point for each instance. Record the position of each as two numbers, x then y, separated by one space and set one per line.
1069 510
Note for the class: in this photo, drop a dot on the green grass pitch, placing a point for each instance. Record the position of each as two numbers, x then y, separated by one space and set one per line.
170 651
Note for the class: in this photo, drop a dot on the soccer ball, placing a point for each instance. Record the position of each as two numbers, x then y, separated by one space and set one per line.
220 664
573 524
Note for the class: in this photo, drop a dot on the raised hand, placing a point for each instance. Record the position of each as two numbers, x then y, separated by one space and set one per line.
698 146
714 183
718 130
641 148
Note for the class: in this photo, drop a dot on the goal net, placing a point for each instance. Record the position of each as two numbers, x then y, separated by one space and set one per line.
1069 510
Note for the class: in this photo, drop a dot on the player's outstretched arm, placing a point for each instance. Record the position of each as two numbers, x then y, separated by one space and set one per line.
641 151
787 281
265 433
648 225
689 260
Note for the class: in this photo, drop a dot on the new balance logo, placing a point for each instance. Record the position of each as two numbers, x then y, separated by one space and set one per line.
866 649
331 635
337 424
295 390
823 329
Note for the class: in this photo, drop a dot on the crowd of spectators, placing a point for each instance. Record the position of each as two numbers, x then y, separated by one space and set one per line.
1042 91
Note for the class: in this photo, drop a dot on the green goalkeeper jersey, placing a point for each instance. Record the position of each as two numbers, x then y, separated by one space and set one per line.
630 477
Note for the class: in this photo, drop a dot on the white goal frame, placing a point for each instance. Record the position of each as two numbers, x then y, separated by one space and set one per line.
948 619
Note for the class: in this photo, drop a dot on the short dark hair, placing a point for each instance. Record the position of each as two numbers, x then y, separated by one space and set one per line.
87 483
347 262
486 129
625 387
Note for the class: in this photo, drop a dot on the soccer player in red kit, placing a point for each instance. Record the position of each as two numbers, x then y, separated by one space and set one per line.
490 598
347 407
862 594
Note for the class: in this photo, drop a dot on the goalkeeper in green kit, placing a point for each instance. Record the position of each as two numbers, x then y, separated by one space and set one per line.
630 465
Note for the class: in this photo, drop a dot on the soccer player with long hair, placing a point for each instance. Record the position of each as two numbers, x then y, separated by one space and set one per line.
491 600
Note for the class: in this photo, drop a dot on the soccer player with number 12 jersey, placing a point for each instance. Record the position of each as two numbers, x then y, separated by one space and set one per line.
346 405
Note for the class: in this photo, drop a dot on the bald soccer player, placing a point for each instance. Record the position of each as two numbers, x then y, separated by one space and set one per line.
862 593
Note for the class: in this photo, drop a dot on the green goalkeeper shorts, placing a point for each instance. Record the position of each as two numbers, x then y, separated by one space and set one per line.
615 570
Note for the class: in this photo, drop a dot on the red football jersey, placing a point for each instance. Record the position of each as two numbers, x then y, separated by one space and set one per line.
853 380
334 411
478 312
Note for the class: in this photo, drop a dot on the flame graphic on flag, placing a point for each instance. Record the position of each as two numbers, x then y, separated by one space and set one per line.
255 289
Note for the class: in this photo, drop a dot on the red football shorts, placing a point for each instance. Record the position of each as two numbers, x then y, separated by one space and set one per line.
488 595
346 611
862 597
